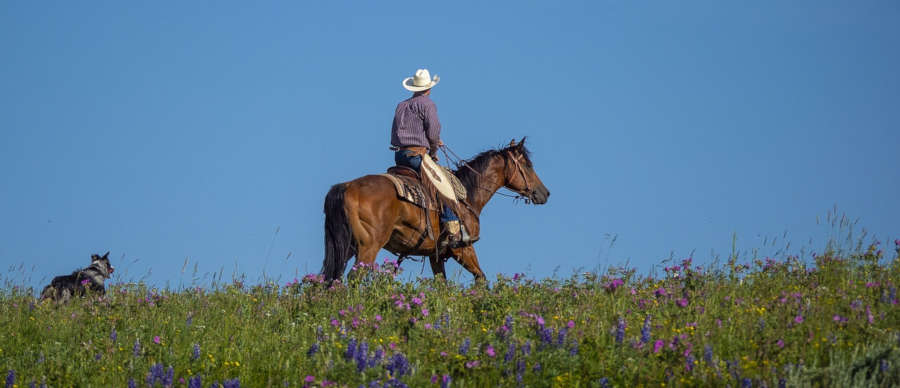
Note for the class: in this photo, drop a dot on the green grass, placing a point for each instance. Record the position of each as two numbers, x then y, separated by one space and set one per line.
832 321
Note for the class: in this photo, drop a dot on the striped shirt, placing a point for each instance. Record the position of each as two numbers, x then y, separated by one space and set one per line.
416 124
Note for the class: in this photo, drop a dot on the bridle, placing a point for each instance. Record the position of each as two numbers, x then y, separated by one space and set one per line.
508 155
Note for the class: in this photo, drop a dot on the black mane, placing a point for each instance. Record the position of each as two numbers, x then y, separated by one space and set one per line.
480 162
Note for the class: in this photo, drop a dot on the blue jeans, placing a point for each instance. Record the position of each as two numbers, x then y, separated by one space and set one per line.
410 159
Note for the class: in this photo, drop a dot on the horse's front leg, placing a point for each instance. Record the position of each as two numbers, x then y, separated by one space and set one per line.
469 260
437 267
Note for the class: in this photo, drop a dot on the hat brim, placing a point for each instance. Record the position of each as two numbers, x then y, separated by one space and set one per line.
408 85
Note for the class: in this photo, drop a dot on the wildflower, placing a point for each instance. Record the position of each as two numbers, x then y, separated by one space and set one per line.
113 336
312 349
526 349
520 370
424 312
682 302
472 364
335 322
604 382
657 346
546 335
490 351
613 285
85 281
540 321
464 348
445 381
377 318
362 353
309 379
510 352
10 378
137 348
189 320
351 349
620 331
157 374
195 382
780 343
416 300
131 383
398 365
379 353
536 367
196 352
233 383
746 383
98 356
156 339
869 317
574 350
689 363
708 354
660 292
645 330
571 324
798 319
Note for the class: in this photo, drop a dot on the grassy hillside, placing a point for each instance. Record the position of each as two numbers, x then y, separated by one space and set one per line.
832 321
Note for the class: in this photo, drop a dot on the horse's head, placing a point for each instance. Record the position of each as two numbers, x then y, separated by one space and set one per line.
520 175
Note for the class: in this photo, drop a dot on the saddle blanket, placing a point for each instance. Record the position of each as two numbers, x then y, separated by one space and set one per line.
410 190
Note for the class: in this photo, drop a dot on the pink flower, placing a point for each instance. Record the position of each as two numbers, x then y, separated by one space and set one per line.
540 321
378 318
392 345
798 319
335 323
490 351
309 379
682 302
571 324
660 292
417 301
780 343
424 312
85 282
427 326
657 346
443 354
156 340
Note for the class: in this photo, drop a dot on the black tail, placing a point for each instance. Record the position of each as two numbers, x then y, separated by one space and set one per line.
339 245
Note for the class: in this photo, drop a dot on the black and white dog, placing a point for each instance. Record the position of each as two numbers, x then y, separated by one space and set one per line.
91 278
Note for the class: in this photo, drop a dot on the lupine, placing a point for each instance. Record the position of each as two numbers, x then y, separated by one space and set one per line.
137 348
131 383
546 335
708 354
510 352
604 382
233 383
351 349
561 337
445 381
536 367
10 378
574 350
195 382
362 354
689 362
398 365
312 349
620 331
113 336
464 348
157 373
645 330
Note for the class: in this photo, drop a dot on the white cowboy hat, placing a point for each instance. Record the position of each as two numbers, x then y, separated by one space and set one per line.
421 81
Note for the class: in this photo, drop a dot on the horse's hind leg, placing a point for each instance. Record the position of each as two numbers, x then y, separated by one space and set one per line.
469 260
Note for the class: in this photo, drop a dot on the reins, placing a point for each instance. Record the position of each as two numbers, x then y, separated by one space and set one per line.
462 162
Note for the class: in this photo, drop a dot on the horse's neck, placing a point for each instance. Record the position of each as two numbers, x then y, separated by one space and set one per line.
489 181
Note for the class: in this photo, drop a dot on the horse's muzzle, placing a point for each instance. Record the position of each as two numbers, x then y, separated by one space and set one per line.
540 195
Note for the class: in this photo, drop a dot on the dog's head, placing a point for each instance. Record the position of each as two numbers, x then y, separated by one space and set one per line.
102 264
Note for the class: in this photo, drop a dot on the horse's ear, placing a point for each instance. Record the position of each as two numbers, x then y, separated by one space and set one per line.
106 255
512 143
522 142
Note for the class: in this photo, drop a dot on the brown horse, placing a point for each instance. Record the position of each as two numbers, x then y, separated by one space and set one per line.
364 215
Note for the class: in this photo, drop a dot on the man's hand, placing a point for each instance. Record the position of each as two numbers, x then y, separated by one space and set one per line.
434 158
440 143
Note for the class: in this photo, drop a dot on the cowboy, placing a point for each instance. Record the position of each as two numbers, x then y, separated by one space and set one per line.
416 132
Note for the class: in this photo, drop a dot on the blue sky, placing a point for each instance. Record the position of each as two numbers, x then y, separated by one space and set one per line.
173 132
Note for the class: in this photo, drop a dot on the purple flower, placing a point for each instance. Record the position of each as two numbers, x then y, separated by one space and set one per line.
798 319
620 331
510 352
682 302
157 374
708 354
10 378
196 352
113 336
546 335
85 281
312 349
131 383
398 365
417 301
574 350
445 381
137 348
309 379
561 336
351 349
526 349
490 351
362 353
657 346
540 321
571 324
613 285
156 339
604 382
464 348
689 363
780 343
645 330
195 382
660 292
233 383
536 367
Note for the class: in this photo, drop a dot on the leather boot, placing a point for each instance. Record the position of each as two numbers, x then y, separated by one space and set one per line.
451 233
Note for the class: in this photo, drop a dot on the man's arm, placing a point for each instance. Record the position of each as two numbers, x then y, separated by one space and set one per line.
432 128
